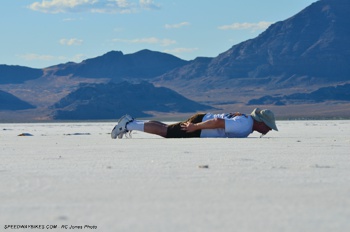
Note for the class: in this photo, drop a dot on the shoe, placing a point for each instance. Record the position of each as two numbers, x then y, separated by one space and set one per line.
120 129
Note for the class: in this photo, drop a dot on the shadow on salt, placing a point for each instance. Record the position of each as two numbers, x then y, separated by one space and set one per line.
77 134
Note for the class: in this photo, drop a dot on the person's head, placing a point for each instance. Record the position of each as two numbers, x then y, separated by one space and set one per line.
261 127
264 120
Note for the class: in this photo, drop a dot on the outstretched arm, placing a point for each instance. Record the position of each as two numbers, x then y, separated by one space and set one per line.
215 123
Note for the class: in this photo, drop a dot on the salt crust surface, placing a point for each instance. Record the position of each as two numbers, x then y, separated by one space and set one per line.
297 179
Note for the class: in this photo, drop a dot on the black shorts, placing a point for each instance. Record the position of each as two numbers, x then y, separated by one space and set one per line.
174 130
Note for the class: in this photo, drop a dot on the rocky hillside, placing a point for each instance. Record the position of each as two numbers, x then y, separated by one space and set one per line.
10 102
310 48
313 43
110 101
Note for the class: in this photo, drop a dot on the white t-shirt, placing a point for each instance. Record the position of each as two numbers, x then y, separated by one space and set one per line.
235 127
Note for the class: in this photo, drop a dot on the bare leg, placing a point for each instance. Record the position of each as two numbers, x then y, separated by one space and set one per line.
157 128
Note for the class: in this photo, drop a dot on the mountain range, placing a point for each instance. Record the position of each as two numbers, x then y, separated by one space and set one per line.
116 66
333 93
300 58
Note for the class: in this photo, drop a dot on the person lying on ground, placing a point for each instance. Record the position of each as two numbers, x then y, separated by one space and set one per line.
202 125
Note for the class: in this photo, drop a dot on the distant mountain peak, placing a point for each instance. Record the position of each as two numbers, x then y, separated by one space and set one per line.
117 66
313 43
14 74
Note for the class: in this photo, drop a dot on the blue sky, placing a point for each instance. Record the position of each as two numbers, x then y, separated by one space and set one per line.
41 33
